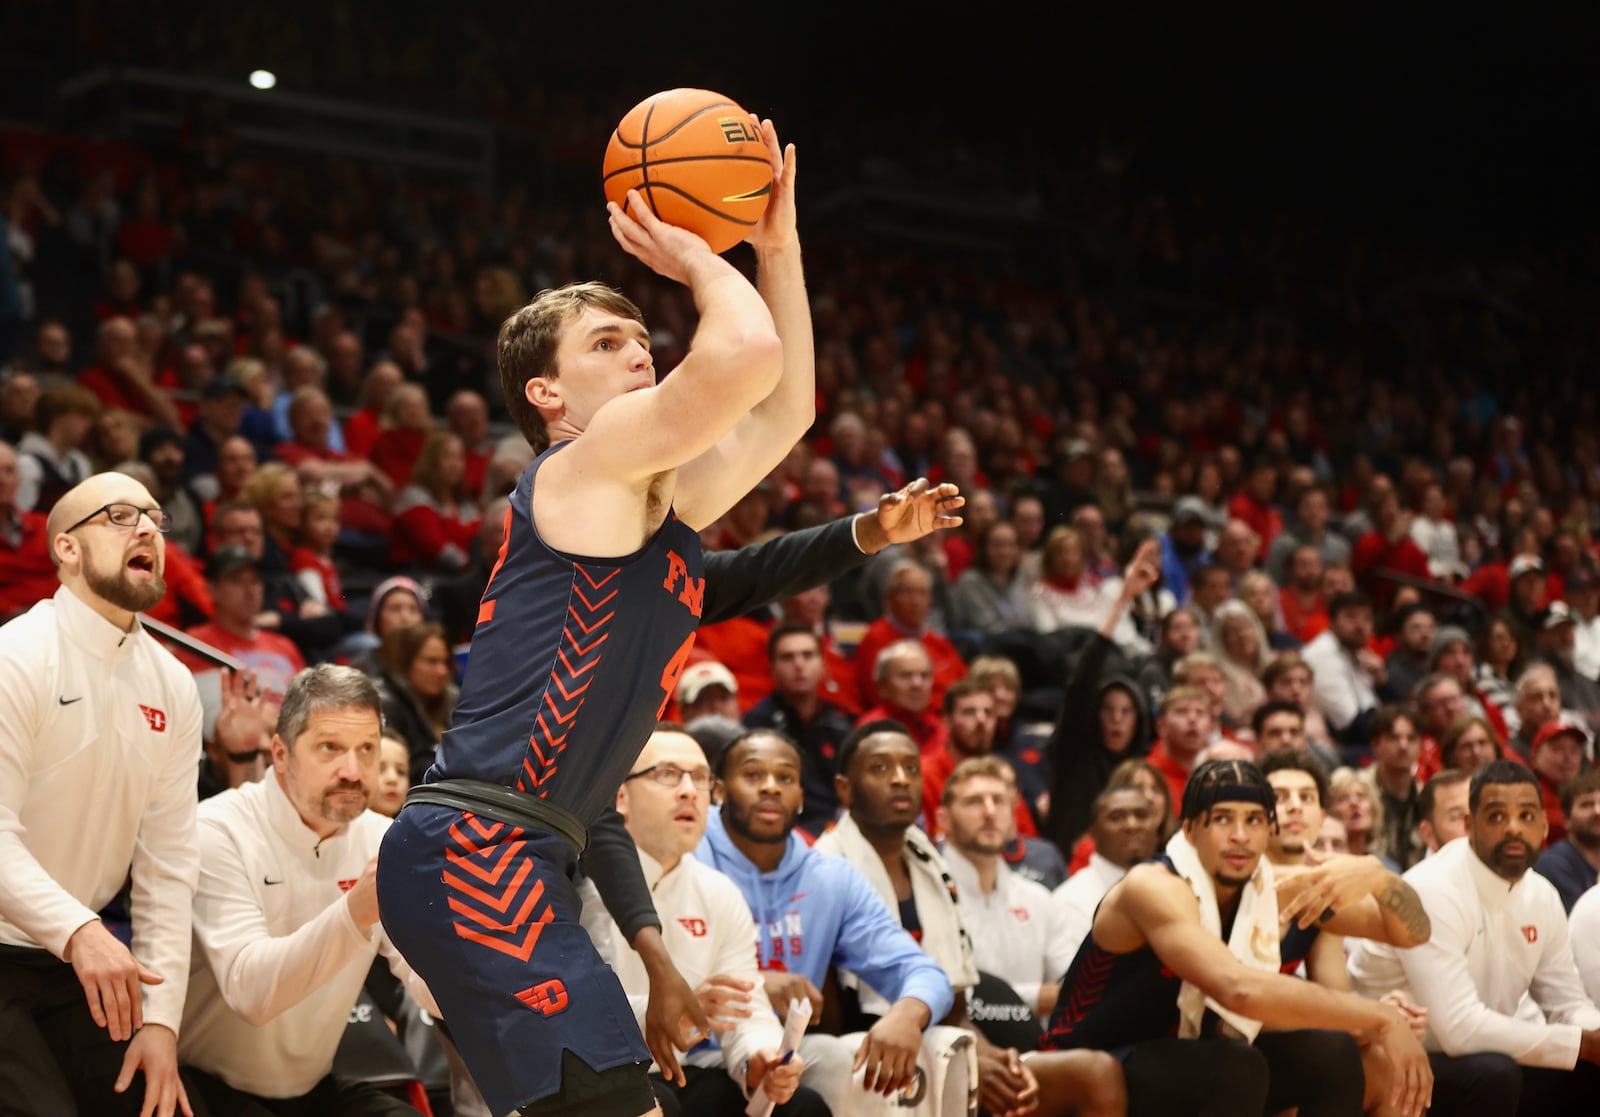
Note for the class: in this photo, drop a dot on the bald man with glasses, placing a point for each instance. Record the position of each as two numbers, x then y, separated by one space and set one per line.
99 741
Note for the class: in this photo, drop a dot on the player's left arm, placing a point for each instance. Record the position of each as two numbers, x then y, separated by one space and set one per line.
1366 899
1325 963
713 482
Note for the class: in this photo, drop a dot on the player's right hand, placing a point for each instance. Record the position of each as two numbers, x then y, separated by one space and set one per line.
111 977
1006 1087
785 987
889 1054
665 249
1413 1076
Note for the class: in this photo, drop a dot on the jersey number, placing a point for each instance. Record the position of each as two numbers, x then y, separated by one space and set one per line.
670 673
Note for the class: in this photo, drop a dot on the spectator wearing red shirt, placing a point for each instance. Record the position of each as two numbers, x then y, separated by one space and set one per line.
434 520
124 378
467 416
406 425
312 561
235 578
1253 504
969 721
1186 727
839 684
27 574
1305 610
1558 753
367 491
146 239
362 429
1387 548
907 601
905 687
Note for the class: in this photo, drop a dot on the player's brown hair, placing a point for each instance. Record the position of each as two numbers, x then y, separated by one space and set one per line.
530 337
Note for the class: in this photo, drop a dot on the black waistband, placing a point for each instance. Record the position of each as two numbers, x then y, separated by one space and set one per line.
502 804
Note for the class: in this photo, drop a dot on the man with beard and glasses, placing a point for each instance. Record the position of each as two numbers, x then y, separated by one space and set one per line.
1573 864
286 914
1500 938
99 739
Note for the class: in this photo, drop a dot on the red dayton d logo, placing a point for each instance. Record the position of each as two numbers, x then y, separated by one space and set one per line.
156 718
548 997
696 927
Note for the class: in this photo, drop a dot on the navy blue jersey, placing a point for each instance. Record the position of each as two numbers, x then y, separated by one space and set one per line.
1294 947
573 661
1111 1001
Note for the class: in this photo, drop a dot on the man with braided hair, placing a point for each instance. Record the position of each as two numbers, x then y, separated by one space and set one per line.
1180 973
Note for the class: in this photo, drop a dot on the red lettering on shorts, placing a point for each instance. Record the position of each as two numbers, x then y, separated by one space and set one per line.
546 998
156 718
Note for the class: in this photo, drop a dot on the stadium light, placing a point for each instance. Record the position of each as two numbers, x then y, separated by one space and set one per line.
263 79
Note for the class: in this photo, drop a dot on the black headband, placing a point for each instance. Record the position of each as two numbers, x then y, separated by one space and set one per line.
1208 797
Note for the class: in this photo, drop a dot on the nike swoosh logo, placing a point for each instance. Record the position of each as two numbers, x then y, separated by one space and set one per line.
749 195
798 896
69 701
264 880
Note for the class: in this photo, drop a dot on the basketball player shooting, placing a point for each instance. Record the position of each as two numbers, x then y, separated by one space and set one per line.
587 621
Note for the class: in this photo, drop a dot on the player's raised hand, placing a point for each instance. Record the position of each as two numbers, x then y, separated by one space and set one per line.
776 229
1143 570
665 249
909 514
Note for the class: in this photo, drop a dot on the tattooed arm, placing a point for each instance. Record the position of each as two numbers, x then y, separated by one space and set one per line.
1356 897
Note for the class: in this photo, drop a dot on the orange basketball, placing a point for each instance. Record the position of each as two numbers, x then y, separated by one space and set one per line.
697 160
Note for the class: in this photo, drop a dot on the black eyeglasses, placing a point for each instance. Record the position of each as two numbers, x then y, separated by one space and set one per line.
127 515
670 775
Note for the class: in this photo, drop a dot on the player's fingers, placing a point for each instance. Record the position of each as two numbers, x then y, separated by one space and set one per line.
861 1056
157 1098
130 1063
915 488
183 1100
121 1013
91 993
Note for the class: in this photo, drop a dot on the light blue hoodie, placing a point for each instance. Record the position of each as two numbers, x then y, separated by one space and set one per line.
814 911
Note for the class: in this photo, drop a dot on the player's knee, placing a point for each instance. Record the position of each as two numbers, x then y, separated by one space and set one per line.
1104 1091
1242 1078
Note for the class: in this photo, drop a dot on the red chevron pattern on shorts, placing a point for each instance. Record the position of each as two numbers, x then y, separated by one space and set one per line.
583 636
495 904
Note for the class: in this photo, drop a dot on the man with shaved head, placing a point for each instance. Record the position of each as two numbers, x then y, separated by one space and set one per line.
99 739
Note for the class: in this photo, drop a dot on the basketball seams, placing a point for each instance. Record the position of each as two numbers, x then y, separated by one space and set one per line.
644 159
763 160
644 137
684 194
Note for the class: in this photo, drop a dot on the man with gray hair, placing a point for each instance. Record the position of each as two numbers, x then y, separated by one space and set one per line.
907 604
286 915
1538 702
903 673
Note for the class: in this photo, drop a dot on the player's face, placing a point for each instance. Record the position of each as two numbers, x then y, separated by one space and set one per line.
1508 829
1125 829
601 356
667 822
394 777
883 788
331 769
976 814
1299 809
797 664
760 789
1230 840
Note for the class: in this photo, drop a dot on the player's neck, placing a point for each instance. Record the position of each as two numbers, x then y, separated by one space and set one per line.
988 866
765 856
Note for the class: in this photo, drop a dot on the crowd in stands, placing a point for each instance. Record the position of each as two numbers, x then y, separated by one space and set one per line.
1344 527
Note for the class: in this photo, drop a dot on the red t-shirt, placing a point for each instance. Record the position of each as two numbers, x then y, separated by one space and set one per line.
1176 775
948 666
27 575
273 658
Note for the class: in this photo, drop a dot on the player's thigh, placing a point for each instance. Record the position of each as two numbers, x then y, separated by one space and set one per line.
1195 1078
1078 1083
1314 1070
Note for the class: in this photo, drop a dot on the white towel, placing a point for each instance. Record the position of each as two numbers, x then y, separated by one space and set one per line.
1254 940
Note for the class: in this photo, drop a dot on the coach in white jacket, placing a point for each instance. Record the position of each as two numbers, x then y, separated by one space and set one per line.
709 933
99 746
1500 935
286 915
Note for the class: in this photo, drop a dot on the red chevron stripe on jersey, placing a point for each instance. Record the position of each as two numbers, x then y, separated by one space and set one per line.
588 618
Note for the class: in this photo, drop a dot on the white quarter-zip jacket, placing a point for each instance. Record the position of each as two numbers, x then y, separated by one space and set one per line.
99 750
278 961
1014 931
1493 945
707 929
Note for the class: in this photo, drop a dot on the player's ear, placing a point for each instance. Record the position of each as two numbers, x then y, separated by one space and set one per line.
543 392
841 788
943 818
719 792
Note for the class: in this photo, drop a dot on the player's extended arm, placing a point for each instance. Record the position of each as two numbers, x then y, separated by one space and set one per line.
734 362
1367 900
713 482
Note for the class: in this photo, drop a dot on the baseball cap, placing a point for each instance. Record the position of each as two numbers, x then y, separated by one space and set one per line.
1566 723
1526 564
697 676
1075 448
1556 615
228 559
1190 509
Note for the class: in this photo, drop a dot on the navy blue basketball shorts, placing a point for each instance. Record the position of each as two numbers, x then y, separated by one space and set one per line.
487 914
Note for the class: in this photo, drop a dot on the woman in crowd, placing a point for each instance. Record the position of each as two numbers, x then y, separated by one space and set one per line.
1499 662
435 520
1355 804
274 489
1241 646
418 689
1067 594
993 595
